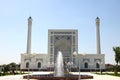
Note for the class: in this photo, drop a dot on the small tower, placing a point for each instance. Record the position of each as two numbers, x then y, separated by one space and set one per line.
98 35
29 35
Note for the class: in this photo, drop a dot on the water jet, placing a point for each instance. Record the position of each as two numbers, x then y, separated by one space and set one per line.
59 66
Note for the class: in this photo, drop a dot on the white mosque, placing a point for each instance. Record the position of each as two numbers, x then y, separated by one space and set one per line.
66 41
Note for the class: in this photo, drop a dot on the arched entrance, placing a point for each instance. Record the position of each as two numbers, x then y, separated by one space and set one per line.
65 47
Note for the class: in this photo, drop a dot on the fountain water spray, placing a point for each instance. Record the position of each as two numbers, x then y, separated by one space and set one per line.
59 67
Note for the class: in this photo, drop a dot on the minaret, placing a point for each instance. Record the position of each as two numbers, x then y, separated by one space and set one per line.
29 35
98 35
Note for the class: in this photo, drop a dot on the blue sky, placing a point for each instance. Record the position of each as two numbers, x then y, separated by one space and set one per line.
57 14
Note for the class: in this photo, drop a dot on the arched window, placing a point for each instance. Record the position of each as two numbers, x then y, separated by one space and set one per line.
97 65
39 65
27 65
86 65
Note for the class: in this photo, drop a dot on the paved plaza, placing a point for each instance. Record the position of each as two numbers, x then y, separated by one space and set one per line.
96 77
13 77
102 77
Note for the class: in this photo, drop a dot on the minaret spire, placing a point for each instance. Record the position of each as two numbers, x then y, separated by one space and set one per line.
29 35
98 35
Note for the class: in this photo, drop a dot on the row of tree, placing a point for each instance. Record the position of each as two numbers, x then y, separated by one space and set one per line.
9 68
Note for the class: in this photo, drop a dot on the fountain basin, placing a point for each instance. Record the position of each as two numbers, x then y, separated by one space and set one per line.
61 72
52 77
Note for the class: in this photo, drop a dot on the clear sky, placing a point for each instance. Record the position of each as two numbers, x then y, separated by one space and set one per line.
57 14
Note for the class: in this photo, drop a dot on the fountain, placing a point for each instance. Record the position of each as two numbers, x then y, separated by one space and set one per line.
59 72
59 68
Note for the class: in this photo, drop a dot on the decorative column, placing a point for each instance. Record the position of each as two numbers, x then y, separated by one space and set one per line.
29 35
98 36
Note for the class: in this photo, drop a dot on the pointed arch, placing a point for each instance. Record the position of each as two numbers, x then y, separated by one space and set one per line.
86 65
39 65
27 64
97 65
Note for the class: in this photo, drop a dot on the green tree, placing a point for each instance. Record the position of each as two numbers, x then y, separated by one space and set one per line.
12 67
117 58
6 68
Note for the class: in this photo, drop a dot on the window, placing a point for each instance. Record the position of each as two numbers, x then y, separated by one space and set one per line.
51 59
86 65
51 50
51 39
51 32
97 65
39 65
68 38
73 40
73 49
73 32
27 65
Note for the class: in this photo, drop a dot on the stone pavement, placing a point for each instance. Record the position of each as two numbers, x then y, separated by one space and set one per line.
13 77
101 77
96 77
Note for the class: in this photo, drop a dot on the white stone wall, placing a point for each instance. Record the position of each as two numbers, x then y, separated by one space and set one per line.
92 59
33 60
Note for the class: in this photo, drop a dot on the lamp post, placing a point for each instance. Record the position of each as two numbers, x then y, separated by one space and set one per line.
76 55
100 63
90 66
100 67
28 74
69 64
28 65
28 77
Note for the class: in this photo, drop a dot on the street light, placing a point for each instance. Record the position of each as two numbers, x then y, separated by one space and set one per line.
28 65
28 74
100 63
29 57
90 66
76 55
69 64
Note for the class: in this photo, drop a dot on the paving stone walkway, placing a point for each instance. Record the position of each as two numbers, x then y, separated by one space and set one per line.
13 77
102 77
96 77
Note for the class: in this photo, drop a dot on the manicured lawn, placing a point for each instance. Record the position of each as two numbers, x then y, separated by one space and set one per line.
114 74
108 73
5 74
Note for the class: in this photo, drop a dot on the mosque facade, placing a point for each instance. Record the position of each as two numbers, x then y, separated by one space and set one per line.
66 41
